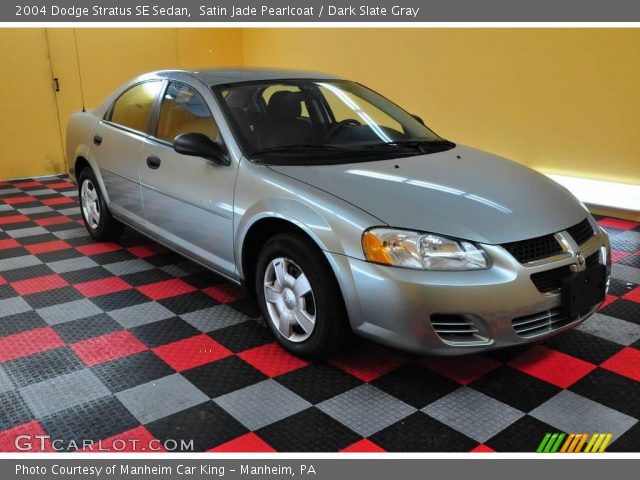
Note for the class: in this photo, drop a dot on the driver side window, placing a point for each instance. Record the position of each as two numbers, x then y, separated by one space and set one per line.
183 110
345 106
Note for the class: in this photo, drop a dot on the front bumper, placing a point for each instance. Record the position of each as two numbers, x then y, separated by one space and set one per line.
414 309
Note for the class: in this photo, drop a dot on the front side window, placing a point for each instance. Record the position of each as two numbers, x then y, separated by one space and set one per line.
183 110
326 121
133 108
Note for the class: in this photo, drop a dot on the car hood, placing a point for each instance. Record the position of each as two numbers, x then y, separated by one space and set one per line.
463 193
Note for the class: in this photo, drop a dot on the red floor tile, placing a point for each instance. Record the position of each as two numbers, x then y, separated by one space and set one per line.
145 251
60 185
6 220
463 370
247 443
633 295
369 361
137 439
28 343
626 362
191 352
225 293
57 201
551 366
18 200
618 223
483 449
272 360
39 284
607 301
46 247
27 184
363 446
43 222
166 289
617 255
98 248
8 243
108 347
102 286
24 438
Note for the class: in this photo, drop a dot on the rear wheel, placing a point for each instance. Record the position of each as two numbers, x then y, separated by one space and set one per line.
299 297
97 219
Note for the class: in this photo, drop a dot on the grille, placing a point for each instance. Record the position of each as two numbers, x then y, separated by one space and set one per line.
551 280
581 232
539 323
456 329
592 259
534 249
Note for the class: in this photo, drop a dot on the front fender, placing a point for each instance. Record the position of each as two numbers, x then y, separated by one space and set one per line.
334 225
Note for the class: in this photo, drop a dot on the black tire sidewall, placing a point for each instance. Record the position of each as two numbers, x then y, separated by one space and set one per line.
99 232
330 319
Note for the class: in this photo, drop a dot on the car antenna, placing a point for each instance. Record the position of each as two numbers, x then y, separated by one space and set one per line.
75 41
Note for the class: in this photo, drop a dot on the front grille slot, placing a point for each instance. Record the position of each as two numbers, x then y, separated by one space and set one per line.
526 251
593 259
457 329
581 232
550 280
539 323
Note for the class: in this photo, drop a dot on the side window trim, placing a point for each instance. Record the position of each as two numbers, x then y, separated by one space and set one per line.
108 114
155 114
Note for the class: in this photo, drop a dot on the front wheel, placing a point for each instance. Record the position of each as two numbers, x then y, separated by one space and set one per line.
299 297
97 219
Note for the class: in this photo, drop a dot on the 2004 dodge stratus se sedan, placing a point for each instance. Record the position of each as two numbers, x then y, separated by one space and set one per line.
339 211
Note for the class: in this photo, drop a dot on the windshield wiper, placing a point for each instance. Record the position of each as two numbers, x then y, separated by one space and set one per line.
418 144
294 148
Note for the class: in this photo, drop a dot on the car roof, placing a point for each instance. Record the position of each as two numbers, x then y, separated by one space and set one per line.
223 75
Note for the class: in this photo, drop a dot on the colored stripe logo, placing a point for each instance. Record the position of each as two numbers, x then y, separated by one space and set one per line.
574 443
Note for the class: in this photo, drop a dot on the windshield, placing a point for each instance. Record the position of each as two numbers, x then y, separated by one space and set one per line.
320 121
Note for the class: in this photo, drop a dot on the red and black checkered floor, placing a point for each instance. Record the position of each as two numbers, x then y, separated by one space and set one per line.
129 341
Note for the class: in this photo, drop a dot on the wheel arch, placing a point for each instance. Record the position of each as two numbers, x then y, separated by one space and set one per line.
258 233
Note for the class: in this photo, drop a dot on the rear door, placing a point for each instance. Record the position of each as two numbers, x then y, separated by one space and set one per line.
117 146
188 200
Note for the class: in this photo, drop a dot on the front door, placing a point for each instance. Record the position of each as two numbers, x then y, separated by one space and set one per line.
117 145
188 200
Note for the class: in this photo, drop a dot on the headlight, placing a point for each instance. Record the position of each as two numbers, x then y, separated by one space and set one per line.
404 248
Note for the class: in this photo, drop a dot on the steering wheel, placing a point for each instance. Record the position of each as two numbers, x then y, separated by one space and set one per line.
337 127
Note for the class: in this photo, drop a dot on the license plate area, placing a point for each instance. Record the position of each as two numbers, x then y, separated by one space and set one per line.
581 291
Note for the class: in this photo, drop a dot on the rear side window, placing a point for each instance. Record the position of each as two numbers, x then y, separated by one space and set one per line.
183 110
132 109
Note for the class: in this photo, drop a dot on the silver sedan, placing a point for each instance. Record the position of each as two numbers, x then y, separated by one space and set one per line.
338 211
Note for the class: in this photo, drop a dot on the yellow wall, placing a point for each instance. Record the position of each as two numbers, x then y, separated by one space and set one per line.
30 141
34 117
559 100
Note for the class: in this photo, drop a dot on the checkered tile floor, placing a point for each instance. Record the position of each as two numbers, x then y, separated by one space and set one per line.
129 341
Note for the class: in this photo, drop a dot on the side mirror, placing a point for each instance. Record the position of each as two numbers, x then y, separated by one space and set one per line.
199 145
418 119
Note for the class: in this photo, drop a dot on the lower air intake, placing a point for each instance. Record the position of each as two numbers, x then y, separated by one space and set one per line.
458 329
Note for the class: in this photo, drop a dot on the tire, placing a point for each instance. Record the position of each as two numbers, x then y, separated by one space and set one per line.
297 257
96 216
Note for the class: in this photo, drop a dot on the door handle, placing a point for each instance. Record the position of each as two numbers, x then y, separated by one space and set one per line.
153 162
97 139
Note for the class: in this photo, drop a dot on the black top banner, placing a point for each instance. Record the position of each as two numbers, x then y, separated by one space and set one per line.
195 11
